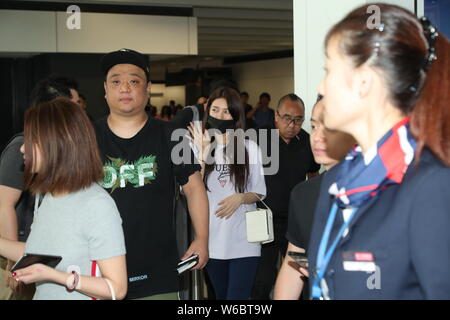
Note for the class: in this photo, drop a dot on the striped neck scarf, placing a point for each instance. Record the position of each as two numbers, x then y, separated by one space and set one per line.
362 177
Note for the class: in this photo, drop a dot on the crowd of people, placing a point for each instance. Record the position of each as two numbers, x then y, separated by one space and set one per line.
100 194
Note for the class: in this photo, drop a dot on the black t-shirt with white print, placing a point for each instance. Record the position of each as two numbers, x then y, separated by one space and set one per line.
139 175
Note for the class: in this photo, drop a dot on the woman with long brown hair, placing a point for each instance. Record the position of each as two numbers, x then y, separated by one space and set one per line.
381 228
74 217
234 179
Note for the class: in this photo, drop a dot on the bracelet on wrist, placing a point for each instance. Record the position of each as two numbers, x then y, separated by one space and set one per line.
73 281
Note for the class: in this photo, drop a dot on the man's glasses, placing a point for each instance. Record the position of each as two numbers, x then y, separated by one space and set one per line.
287 119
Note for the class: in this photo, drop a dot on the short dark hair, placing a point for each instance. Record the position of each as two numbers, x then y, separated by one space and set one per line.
291 97
319 98
65 81
152 110
166 111
47 90
264 95
70 159
244 93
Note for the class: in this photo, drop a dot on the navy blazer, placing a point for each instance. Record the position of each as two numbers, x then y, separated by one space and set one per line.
407 228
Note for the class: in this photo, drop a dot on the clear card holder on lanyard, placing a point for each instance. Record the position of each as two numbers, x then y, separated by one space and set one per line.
320 288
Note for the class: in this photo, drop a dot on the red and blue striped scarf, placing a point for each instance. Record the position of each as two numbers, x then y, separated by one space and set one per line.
362 177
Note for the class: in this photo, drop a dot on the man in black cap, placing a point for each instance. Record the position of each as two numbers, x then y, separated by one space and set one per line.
140 175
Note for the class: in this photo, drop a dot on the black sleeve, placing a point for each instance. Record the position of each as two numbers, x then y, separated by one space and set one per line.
302 206
293 234
183 118
429 234
184 165
184 171
11 165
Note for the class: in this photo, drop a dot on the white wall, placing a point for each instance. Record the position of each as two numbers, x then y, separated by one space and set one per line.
176 93
47 31
312 20
274 76
144 33
27 31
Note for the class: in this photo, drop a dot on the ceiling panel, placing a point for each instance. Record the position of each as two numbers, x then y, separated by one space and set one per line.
242 26
227 23
227 27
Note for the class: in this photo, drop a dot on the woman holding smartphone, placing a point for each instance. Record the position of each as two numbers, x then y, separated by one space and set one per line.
381 228
74 217
234 178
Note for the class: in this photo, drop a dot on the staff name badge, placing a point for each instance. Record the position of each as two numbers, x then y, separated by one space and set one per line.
359 261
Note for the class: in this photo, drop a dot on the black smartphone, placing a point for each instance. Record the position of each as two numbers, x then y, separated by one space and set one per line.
30 259
300 258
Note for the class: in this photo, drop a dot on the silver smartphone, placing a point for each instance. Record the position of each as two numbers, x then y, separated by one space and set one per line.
300 258
187 264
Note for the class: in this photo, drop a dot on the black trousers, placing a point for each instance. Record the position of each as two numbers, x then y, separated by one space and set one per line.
267 268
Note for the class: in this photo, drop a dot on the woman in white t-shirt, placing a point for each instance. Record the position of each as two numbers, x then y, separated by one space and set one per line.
234 178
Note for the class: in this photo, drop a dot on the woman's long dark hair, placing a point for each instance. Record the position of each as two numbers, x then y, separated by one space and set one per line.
238 172
399 48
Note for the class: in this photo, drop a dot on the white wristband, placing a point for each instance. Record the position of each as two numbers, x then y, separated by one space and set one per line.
111 289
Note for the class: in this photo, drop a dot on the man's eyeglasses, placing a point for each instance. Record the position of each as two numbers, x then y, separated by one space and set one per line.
287 119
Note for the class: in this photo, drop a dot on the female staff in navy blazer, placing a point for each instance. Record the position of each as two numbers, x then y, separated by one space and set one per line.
382 224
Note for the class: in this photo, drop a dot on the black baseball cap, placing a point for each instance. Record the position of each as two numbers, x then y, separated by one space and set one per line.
127 56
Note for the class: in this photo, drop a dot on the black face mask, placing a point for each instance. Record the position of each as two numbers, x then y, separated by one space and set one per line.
221 125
